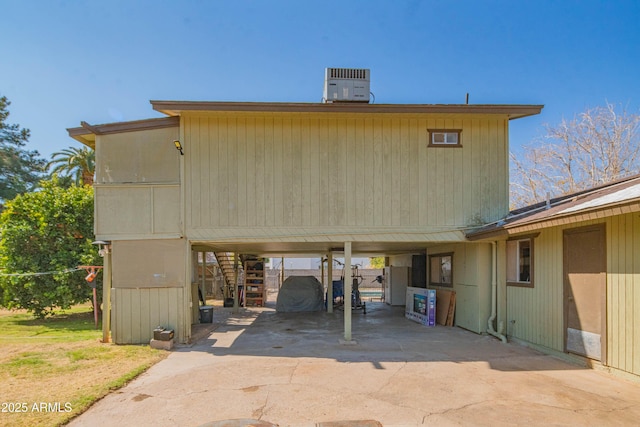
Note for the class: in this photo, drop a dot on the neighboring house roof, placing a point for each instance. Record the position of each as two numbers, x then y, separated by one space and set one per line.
614 198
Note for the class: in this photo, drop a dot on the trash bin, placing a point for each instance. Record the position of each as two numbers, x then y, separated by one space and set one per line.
206 314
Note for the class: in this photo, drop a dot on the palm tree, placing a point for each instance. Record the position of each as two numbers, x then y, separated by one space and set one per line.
77 162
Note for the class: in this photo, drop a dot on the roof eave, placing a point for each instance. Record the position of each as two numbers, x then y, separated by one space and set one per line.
498 232
176 108
86 134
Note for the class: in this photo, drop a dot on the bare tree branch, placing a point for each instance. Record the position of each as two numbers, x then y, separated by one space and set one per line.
598 146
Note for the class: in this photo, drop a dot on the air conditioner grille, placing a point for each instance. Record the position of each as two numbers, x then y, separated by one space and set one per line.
348 73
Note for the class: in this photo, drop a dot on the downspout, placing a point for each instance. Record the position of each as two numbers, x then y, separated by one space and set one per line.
494 295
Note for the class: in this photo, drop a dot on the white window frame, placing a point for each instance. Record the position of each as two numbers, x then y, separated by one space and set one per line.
451 137
514 260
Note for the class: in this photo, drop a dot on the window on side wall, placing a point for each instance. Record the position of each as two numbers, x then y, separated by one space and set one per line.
445 137
441 270
520 261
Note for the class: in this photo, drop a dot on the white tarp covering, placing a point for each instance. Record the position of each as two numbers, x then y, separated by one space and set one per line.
300 293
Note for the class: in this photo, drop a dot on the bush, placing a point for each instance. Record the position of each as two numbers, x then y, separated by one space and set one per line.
45 235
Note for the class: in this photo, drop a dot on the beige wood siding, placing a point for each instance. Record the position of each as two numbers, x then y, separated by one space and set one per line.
148 289
623 292
133 211
471 281
137 312
297 172
137 189
536 314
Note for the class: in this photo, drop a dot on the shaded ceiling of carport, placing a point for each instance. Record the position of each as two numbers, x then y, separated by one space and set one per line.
313 249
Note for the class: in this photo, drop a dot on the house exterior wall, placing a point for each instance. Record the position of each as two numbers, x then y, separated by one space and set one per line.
623 292
536 315
471 275
269 174
148 289
137 188
137 207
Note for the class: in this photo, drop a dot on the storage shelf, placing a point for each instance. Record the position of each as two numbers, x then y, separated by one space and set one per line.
254 286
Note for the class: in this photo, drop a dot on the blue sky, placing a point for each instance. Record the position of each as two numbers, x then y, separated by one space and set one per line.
102 61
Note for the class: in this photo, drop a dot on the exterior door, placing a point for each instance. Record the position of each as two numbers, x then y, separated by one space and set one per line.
585 291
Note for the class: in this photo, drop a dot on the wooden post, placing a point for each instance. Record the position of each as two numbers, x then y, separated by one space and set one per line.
106 294
95 307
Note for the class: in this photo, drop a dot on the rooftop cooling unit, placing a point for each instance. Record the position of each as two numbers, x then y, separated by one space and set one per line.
346 85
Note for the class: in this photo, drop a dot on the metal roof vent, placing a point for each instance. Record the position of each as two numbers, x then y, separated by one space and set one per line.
346 85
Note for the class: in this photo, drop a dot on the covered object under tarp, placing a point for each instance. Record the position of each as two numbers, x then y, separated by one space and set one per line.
300 293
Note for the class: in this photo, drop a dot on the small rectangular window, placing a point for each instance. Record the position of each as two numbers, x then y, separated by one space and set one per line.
520 261
441 270
444 138
524 261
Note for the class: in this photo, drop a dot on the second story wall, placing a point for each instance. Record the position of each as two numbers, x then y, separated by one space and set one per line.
137 188
359 171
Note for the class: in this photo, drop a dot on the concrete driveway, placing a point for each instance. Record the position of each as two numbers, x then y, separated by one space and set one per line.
290 369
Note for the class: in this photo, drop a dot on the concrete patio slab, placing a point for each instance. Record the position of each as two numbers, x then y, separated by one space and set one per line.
290 369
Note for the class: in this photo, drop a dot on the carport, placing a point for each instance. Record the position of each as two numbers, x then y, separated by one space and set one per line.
326 251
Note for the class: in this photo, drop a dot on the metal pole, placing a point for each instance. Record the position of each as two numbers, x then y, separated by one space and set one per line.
236 297
322 279
330 286
203 281
347 291
281 272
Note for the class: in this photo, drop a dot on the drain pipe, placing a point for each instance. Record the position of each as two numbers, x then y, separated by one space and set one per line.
494 295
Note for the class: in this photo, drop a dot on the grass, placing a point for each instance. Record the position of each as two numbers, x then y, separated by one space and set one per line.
53 369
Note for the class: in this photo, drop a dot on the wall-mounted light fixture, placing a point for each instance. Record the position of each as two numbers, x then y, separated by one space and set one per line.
178 146
103 247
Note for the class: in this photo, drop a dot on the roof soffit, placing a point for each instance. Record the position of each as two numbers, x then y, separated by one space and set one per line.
176 108
86 134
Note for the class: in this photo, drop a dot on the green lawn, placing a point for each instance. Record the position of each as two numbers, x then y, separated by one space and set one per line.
53 369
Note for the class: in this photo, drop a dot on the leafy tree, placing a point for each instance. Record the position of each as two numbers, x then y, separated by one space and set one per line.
20 169
376 262
598 146
77 162
49 231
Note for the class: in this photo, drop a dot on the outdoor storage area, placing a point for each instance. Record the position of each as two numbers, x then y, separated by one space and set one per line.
290 369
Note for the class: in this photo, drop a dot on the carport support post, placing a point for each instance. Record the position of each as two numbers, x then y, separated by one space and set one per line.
106 294
330 280
204 279
347 291
236 297
281 272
